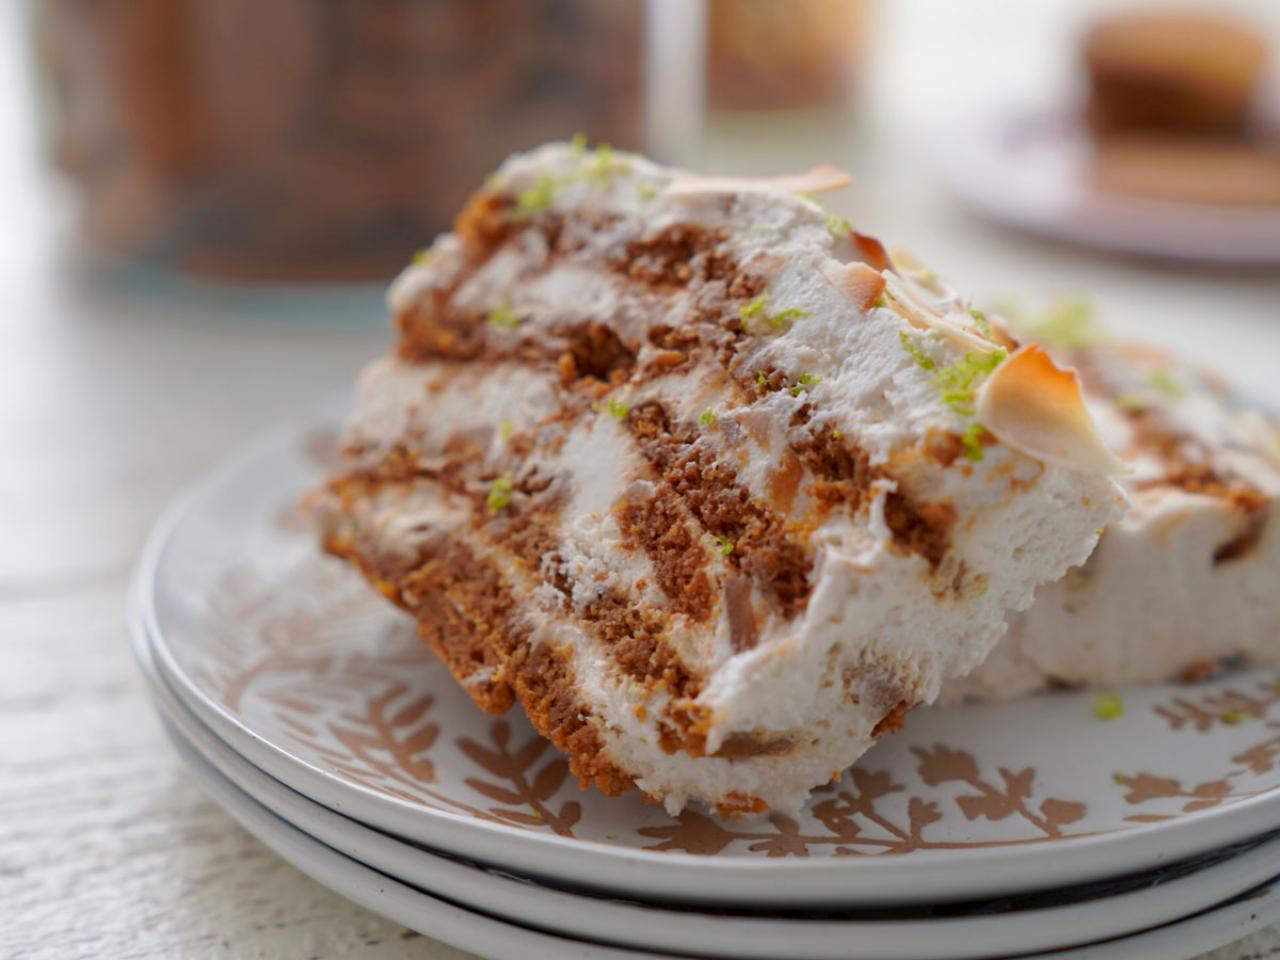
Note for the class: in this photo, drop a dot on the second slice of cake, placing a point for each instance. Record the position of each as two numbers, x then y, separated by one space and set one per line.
700 478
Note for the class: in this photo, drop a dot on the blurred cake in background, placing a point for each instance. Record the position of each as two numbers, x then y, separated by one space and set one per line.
1173 72
1175 106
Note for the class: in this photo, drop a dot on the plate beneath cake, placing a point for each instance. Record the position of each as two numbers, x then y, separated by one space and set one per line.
293 662
498 939
985 928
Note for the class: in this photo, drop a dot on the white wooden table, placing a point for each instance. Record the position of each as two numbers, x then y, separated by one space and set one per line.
110 403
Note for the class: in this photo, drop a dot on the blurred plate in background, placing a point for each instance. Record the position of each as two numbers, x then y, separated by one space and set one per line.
1038 171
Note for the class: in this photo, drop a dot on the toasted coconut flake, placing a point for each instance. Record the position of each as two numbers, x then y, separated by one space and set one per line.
871 250
924 317
1031 404
862 284
823 178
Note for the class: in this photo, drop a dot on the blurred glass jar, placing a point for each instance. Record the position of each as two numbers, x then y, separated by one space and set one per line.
296 140
784 54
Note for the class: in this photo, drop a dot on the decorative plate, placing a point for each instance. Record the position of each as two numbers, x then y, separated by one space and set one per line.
1030 170
298 666
500 940
984 928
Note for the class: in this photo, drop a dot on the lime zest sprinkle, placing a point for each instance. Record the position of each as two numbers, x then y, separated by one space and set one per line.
838 226
1069 324
971 440
957 381
761 379
708 417
783 317
500 493
922 359
1131 403
646 192
981 322
538 198
752 309
1120 778
1108 706
1233 717
504 316
724 546
837 434
603 165
1163 381
578 143
757 308
807 381
618 409
505 429
880 302
421 257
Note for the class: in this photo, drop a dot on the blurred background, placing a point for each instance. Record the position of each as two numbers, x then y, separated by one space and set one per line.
204 200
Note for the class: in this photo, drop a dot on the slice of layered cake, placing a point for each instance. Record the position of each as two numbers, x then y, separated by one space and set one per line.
691 471
1189 580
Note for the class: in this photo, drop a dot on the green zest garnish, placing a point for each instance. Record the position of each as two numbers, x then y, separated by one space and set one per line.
504 316
761 379
1163 381
1131 403
837 434
752 309
838 226
421 257
1233 717
956 384
971 440
1108 706
1068 324
956 381
756 308
922 359
980 322
603 165
784 317
646 192
708 417
505 429
500 493
618 409
578 144
806 382
879 301
723 545
537 198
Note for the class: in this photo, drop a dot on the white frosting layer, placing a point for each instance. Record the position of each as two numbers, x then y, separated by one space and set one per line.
1151 603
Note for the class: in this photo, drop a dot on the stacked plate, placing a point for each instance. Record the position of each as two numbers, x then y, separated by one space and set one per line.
310 712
